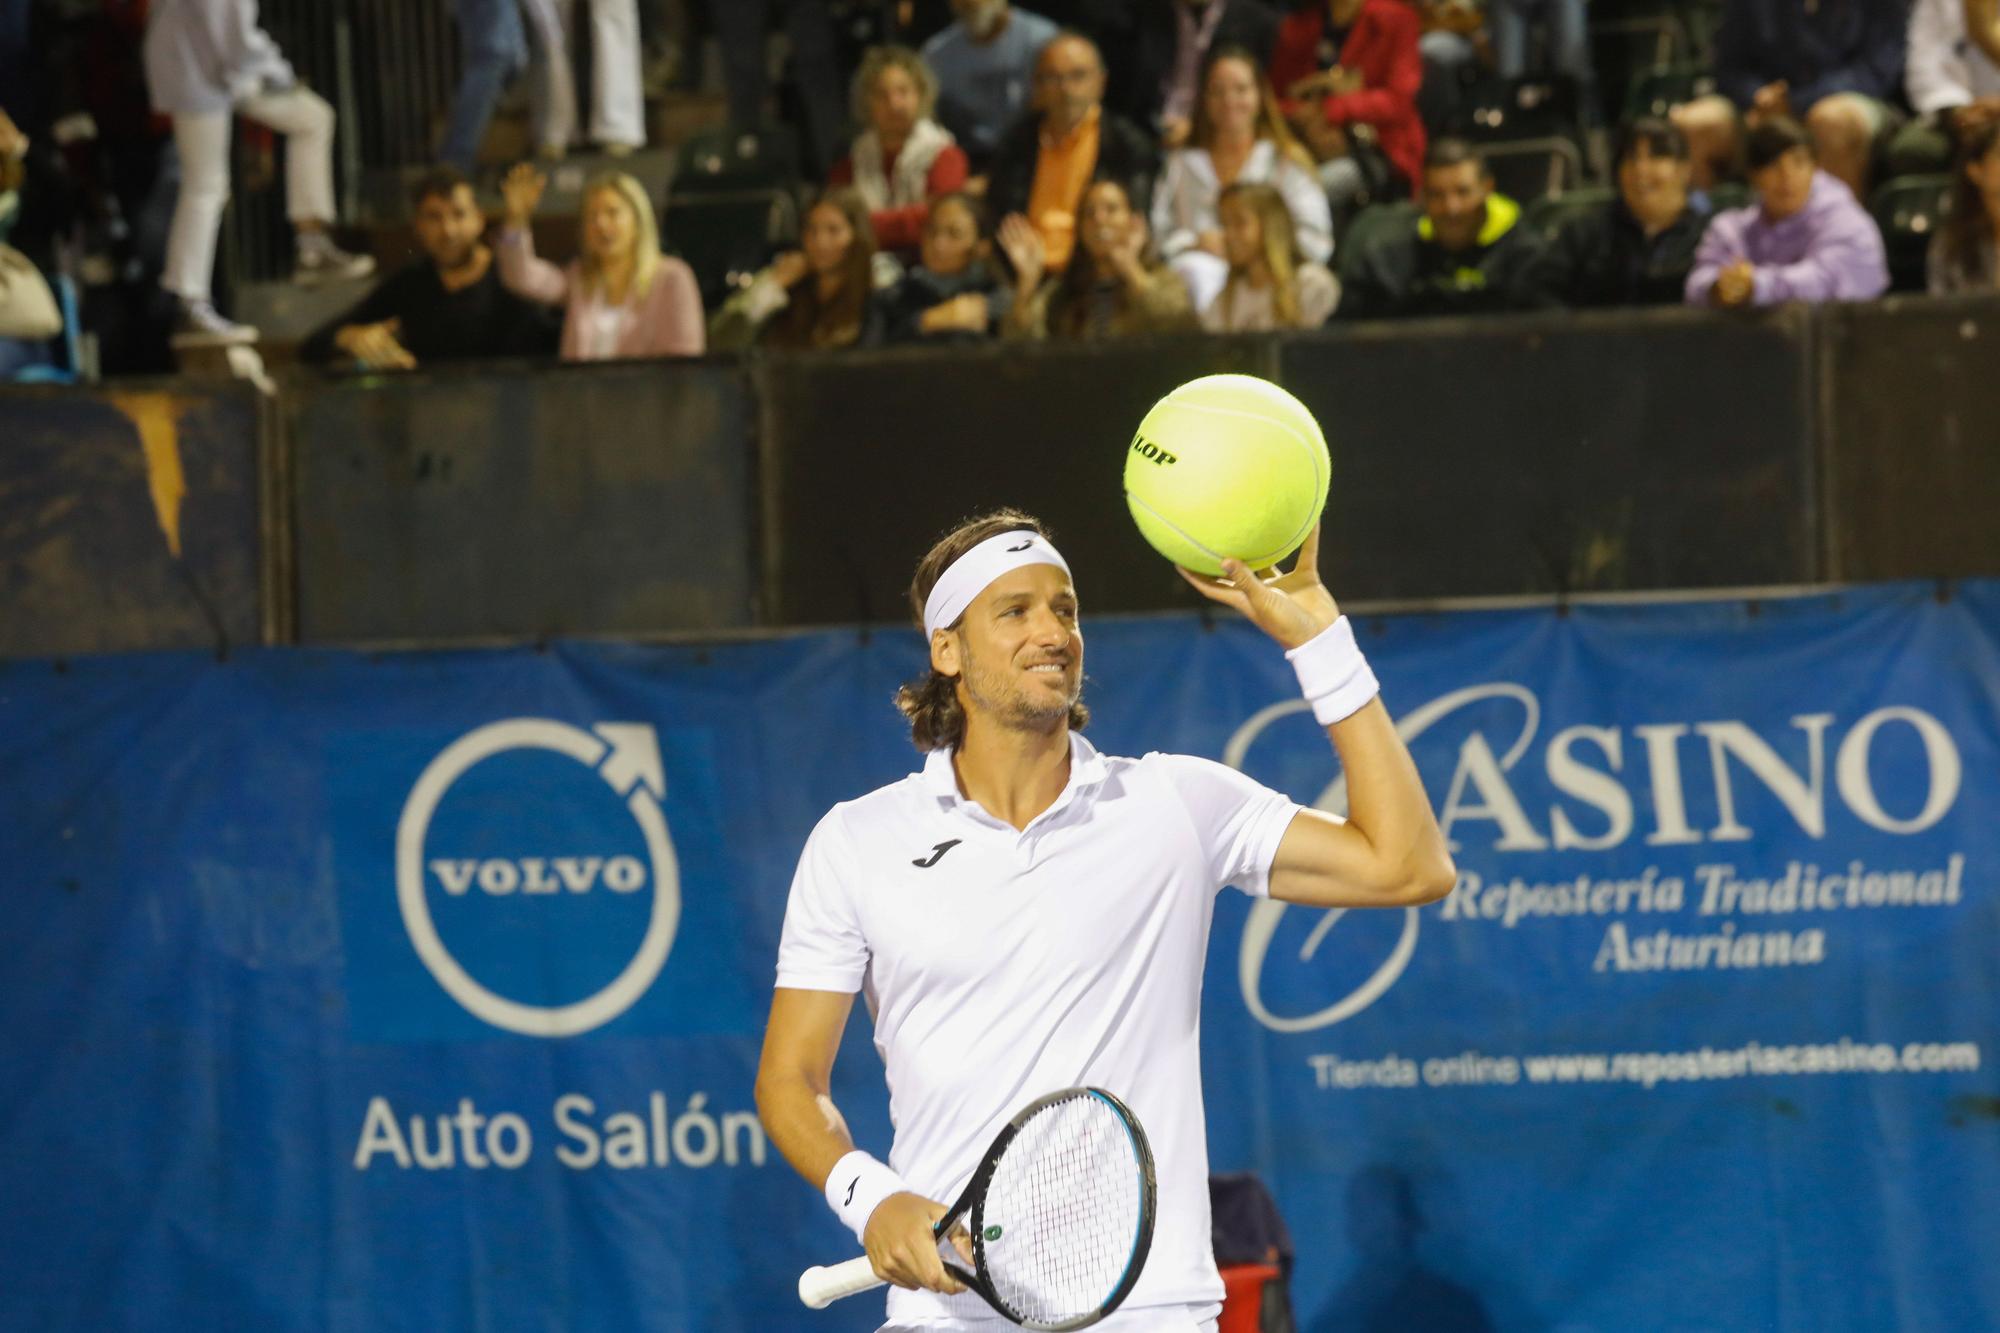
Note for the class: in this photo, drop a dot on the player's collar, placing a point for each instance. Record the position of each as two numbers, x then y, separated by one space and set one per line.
1086 769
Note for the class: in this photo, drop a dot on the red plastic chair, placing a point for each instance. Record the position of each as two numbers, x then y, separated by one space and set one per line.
1243 1296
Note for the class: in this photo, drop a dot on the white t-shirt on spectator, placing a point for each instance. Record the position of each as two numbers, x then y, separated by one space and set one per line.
1001 964
1186 199
603 325
1942 68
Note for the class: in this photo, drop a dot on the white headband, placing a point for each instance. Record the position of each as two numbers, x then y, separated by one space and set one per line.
969 575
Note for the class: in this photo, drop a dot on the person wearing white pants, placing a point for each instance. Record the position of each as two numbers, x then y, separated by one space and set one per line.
207 61
617 99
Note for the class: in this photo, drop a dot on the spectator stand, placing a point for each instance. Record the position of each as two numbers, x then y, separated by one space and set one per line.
1629 37
287 313
1366 227
390 68
1730 194
733 201
1530 131
1657 91
1545 216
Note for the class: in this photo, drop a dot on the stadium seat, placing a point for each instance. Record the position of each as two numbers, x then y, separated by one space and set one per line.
1243 1297
1629 37
733 200
1253 1249
1530 132
1545 217
1535 168
1370 224
726 161
1507 110
1725 195
1910 211
726 237
1656 91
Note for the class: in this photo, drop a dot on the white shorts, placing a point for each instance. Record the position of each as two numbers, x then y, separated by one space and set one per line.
1151 1319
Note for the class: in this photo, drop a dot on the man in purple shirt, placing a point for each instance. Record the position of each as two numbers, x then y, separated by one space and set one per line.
1806 239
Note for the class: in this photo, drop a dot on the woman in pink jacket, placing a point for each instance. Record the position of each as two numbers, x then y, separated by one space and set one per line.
622 298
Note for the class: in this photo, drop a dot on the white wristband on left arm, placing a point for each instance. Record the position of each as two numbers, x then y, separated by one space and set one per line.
856 1187
1333 674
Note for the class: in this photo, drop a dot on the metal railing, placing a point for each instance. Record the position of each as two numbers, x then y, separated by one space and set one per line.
389 67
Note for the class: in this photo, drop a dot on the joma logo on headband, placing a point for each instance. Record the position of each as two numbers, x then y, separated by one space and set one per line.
1145 448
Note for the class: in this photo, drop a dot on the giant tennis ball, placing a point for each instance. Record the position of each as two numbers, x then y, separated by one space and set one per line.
1226 465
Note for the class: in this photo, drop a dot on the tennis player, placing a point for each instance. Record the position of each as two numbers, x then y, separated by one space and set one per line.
1025 914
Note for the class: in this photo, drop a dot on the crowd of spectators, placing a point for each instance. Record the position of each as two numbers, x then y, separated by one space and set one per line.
1107 168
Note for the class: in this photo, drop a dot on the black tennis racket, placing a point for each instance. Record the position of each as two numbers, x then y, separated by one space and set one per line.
1059 1216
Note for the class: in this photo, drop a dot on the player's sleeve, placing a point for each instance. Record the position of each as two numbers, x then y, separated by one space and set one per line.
1239 821
823 947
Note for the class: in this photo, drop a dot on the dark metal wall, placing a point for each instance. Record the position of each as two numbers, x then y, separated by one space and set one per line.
868 460
1912 446
1629 452
130 519
582 500
1559 455
1571 453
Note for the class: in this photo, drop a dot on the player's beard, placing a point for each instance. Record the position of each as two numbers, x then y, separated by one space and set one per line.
1003 697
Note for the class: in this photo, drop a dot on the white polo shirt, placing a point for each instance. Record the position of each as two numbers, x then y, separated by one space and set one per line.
1001 964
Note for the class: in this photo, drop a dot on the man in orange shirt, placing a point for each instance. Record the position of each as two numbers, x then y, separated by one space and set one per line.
1049 158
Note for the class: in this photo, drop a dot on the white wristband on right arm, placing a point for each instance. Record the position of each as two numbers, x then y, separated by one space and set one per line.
856 1187
1333 674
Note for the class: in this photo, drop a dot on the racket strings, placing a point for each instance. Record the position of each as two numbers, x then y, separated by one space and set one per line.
1067 1196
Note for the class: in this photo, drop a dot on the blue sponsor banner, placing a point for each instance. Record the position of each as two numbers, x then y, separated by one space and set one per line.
425 991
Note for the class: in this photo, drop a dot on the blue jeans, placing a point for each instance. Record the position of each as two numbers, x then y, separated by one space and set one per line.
496 49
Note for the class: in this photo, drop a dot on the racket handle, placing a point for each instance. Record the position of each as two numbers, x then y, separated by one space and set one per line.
821 1286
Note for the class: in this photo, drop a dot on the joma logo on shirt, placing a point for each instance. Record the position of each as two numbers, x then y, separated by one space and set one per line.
937 854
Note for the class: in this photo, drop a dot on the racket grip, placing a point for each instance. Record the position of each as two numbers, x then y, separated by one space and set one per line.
822 1285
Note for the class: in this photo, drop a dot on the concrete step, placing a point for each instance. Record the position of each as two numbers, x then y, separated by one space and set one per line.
285 313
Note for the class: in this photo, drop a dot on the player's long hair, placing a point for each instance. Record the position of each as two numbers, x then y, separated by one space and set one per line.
937 721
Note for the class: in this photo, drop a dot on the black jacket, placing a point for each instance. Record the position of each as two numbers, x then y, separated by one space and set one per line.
1139 39
483 320
1408 273
1604 258
904 304
1123 154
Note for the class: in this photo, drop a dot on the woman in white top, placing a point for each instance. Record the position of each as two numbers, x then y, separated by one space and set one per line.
1239 135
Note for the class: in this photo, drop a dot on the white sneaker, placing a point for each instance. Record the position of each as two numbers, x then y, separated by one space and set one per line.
199 324
320 260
